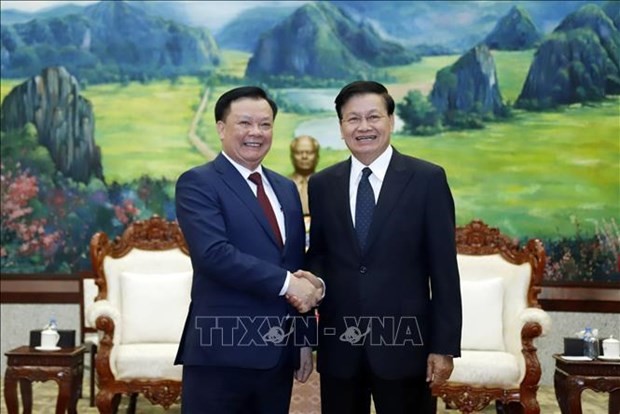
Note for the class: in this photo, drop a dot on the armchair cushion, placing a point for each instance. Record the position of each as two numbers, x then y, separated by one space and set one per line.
153 361
154 306
483 302
487 368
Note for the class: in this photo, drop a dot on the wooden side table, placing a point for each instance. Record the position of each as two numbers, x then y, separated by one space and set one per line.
572 377
26 364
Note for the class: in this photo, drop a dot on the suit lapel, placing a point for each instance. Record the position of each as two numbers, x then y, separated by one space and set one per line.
238 186
342 204
286 201
396 178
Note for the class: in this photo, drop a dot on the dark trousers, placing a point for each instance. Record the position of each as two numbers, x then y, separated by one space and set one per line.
229 390
353 395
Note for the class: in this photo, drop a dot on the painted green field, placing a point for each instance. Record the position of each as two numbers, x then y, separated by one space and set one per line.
537 174
142 129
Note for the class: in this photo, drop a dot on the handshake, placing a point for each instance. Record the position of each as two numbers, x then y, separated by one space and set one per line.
305 290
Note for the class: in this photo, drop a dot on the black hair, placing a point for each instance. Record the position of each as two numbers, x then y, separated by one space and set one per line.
360 88
222 106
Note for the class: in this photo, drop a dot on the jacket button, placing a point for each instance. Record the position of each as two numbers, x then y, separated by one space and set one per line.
363 269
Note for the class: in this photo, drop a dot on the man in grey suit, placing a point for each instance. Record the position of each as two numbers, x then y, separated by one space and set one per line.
382 237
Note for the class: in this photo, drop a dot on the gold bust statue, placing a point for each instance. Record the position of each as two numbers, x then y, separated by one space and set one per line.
305 157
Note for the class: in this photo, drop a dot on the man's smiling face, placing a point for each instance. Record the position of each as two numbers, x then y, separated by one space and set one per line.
366 126
247 131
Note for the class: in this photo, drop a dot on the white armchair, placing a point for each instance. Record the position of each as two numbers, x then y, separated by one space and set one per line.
500 282
144 279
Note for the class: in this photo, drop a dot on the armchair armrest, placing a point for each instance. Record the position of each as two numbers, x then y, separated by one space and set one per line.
536 322
102 308
538 316
105 317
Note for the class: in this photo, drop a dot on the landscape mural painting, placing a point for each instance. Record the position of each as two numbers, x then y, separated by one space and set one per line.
104 104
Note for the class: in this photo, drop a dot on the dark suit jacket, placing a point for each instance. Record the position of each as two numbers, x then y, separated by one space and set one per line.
410 249
239 269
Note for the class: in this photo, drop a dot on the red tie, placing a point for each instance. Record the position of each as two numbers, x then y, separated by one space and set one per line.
263 200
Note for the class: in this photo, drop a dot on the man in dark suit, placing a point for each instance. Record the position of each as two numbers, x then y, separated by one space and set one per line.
244 227
382 237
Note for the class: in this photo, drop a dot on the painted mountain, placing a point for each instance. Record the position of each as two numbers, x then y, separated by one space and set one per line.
425 22
579 62
469 85
64 121
108 41
514 31
421 26
612 9
319 40
243 33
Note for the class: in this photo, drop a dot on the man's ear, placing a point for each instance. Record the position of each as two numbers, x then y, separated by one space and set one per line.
220 128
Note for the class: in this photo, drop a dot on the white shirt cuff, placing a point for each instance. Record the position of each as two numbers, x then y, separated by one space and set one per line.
286 282
324 288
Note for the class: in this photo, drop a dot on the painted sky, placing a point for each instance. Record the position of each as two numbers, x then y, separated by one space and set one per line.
31 6
219 12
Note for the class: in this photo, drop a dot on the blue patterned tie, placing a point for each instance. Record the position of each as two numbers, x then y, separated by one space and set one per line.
364 207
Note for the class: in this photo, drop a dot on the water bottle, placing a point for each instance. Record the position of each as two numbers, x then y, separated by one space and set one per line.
50 336
590 345
52 325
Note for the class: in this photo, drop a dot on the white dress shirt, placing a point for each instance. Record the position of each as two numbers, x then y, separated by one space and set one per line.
379 168
275 204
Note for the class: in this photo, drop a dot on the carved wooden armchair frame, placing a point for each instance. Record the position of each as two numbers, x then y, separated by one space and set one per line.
477 239
153 234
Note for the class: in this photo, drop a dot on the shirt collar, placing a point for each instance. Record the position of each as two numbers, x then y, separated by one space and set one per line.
379 166
245 172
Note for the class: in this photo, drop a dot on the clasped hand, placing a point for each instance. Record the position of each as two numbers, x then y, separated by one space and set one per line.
304 291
